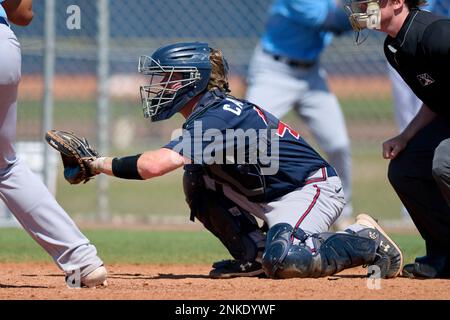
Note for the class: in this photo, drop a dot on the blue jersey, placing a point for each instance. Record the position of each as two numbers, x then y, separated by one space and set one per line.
2 11
441 7
301 29
284 167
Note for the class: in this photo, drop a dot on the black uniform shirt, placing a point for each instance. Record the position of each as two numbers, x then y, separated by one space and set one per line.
421 55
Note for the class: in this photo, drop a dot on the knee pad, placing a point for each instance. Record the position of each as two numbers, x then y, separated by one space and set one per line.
283 259
278 244
333 252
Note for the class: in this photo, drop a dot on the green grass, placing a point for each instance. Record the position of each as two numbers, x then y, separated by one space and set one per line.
124 246
155 247
162 196
372 192
412 246
366 109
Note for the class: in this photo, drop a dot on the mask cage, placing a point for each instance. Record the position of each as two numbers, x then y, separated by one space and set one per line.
165 84
357 10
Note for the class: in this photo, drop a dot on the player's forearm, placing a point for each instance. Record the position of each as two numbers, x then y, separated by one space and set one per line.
148 165
159 162
423 117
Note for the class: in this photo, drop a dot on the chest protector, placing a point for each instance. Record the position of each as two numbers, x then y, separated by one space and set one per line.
244 178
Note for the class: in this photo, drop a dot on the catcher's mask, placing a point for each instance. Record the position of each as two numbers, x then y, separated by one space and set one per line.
178 73
363 14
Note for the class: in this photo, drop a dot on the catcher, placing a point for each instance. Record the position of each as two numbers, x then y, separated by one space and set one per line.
240 162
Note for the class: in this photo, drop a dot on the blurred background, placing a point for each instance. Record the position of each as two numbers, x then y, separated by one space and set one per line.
79 73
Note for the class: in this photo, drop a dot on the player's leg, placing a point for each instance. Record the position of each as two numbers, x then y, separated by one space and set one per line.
441 168
411 177
230 223
48 224
25 195
406 106
271 85
10 73
297 246
314 207
321 111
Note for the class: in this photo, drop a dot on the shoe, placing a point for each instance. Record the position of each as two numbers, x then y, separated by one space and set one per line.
95 278
234 268
389 256
428 267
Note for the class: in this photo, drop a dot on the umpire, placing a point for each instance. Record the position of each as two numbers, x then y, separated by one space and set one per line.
418 47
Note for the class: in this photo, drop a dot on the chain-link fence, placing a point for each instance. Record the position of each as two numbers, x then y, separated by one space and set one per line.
357 74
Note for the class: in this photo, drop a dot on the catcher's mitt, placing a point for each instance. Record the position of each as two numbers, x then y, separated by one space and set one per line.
75 154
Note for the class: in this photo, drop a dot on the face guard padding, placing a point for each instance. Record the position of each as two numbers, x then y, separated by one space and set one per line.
364 14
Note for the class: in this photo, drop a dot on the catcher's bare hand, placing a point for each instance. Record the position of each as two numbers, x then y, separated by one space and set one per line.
392 147
95 165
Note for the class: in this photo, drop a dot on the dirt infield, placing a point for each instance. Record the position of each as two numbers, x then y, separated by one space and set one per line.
45 281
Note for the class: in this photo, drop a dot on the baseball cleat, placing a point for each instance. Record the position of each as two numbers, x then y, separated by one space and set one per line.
95 278
389 256
234 268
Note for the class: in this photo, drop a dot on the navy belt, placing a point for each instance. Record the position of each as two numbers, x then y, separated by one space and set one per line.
321 175
331 172
3 21
292 62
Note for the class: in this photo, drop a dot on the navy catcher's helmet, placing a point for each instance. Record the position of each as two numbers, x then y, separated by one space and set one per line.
178 72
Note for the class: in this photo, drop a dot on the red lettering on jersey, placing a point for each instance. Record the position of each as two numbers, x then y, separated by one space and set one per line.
261 114
282 127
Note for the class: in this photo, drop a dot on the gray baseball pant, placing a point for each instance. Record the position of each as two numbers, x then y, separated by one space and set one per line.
441 168
22 191
312 208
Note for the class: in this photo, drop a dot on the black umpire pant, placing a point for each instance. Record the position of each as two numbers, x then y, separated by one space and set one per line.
421 177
